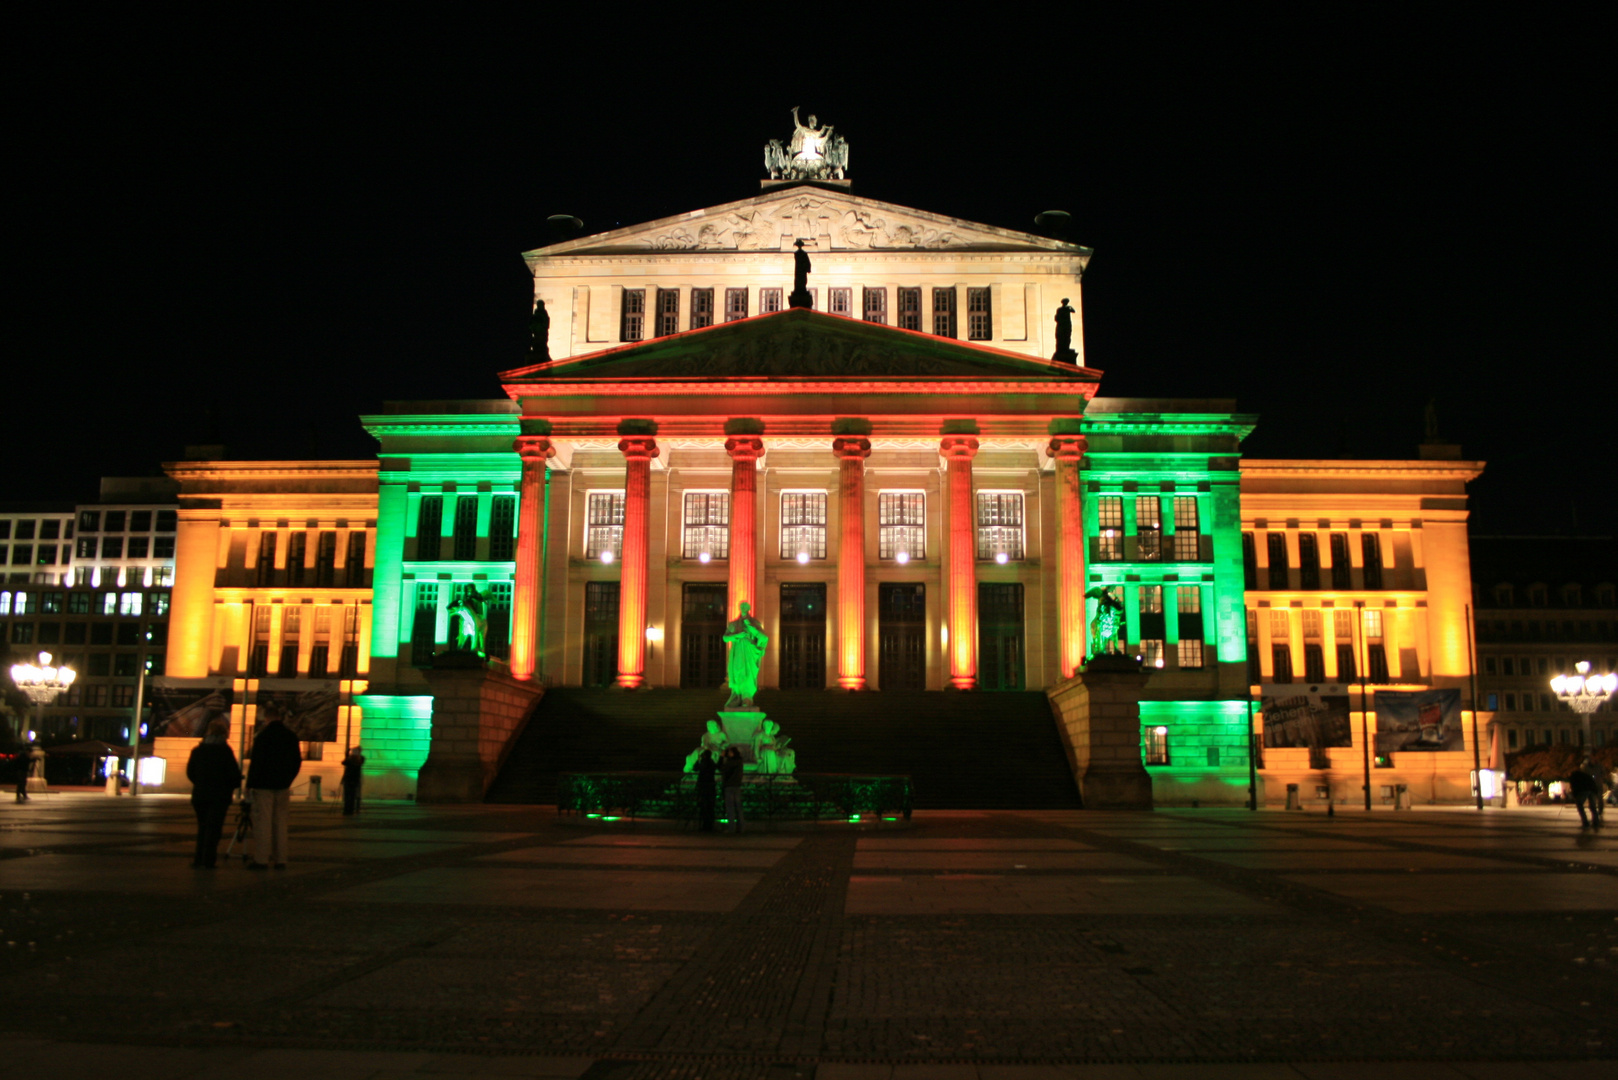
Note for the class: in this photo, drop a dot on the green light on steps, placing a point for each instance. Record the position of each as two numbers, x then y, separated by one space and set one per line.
854 817
614 817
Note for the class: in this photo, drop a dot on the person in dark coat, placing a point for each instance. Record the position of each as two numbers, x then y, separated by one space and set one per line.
274 763
353 777
706 768
730 769
1586 792
20 767
214 776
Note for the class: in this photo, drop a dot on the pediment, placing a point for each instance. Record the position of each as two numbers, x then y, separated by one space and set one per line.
825 219
802 344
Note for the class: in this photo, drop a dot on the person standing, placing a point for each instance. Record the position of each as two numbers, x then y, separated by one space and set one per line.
353 777
730 769
214 776
20 766
706 767
1586 786
273 765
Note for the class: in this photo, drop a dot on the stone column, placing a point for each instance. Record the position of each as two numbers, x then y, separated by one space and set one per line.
851 453
959 450
191 611
1068 450
533 450
744 451
638 451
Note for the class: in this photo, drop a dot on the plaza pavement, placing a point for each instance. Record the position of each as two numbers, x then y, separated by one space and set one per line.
504 941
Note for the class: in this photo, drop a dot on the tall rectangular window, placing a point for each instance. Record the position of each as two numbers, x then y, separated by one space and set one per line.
668 312
424 627
901 525
1341 572
1000 526
1342 627
701 308
735 304
1371 556
769 300
632 319
1155 745
354 559
326 560
705 533
909 309
1281 645
1308 561
944 312
979 319
498 636
1277 542
1188 604
803 524
466 528
1110 528
876 304
297 552
604 529
1249 562
503 528
266 558
1151 627
86 548
89 521
430 528
1187 537
842 301
1148 528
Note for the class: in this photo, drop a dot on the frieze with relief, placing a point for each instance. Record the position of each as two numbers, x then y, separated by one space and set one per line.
844 223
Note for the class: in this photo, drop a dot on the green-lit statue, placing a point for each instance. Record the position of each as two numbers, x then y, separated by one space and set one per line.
1106 629
747 641
469 622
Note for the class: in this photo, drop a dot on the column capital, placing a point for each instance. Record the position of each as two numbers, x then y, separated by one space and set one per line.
638 447
849 447
534 449
1068 447
958 447
744 447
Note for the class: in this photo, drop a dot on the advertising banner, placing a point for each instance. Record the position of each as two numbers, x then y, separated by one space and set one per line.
1411 720
307 706
1314 715
183 708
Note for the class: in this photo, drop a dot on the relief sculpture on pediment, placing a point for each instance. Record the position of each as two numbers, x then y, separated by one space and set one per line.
806 218
801 355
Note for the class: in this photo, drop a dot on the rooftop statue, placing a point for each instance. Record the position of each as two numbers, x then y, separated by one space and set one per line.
747 640
813 153
1065 353
539 332
1106 628
800 278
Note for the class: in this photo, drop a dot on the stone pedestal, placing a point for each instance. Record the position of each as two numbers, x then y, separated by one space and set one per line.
1098 714
477 714
740 727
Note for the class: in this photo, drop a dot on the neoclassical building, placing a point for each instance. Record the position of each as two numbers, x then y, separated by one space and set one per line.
896 476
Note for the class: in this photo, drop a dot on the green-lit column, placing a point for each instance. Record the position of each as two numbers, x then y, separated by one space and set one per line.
387 581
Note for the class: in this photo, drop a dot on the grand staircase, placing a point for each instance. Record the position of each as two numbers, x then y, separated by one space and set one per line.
962 751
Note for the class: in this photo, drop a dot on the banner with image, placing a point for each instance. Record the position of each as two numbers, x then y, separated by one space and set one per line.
1418 720
1314 715
183 708
307 706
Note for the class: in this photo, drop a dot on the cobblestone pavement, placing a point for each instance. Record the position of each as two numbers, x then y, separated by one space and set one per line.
484 941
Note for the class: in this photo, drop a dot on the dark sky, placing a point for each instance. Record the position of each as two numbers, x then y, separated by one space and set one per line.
1332 215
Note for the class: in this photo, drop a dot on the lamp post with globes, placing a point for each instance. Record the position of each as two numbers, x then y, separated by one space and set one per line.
1584 692
42 682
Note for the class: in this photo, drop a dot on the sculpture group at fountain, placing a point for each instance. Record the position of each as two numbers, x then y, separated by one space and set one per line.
740 722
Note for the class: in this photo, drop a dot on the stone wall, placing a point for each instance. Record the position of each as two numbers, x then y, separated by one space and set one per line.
477 714
1098 718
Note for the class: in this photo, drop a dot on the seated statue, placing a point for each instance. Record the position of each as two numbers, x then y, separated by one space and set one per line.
770 750
713 739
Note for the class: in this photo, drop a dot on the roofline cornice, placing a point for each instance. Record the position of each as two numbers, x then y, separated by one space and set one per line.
1466 470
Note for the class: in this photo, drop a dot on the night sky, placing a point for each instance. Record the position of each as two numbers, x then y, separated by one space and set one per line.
252 229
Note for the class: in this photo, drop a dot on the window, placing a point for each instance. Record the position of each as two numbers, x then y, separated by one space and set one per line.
875 304
1308 561
668 312
498 636
166 520
51 604
77 604
803 525
735 304
89 521
909 309
138 546
1187 539
769 300
326 560
424 628
130 603
842 301
944 312
466 528
1188 602
1151 625
1249 562
1191 653
1281 645
354 561
430 528
1000 526
140 521
1314 662
1277 543
503 527
128 633
297 552
5 603
52 530
1155 745
22 633
5 528
114 521
979 323
265 568
47 554
1373 623
99 665
112 547
1148 528
25 530
1341 577
1536 592
605 525
901 525
1511 738
123 696
632 319
101 634
123 666
1110 526
86 548
701 308
706 531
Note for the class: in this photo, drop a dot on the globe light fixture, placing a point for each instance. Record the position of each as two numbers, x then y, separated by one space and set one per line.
704 557
902 558
1002 558
1583 692
803 558
42 682
606 557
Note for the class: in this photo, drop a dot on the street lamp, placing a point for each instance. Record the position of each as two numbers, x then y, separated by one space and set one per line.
42 682
1583 693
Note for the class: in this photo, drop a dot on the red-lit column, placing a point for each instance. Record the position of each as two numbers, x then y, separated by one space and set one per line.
851 562
959 450
638 451
744 451
1068 450
534 450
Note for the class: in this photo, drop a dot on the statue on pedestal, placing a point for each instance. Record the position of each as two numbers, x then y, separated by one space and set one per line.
800 297
747 640
770 751
539 333
814 153
1065 353
469 622
713 740
1106 629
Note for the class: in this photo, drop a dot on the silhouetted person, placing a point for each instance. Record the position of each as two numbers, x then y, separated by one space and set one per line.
353 777
214 775
275 762
706 793
730 768
1586 787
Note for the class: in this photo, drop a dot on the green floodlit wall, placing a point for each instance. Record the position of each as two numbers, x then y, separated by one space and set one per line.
397 730
1195 727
